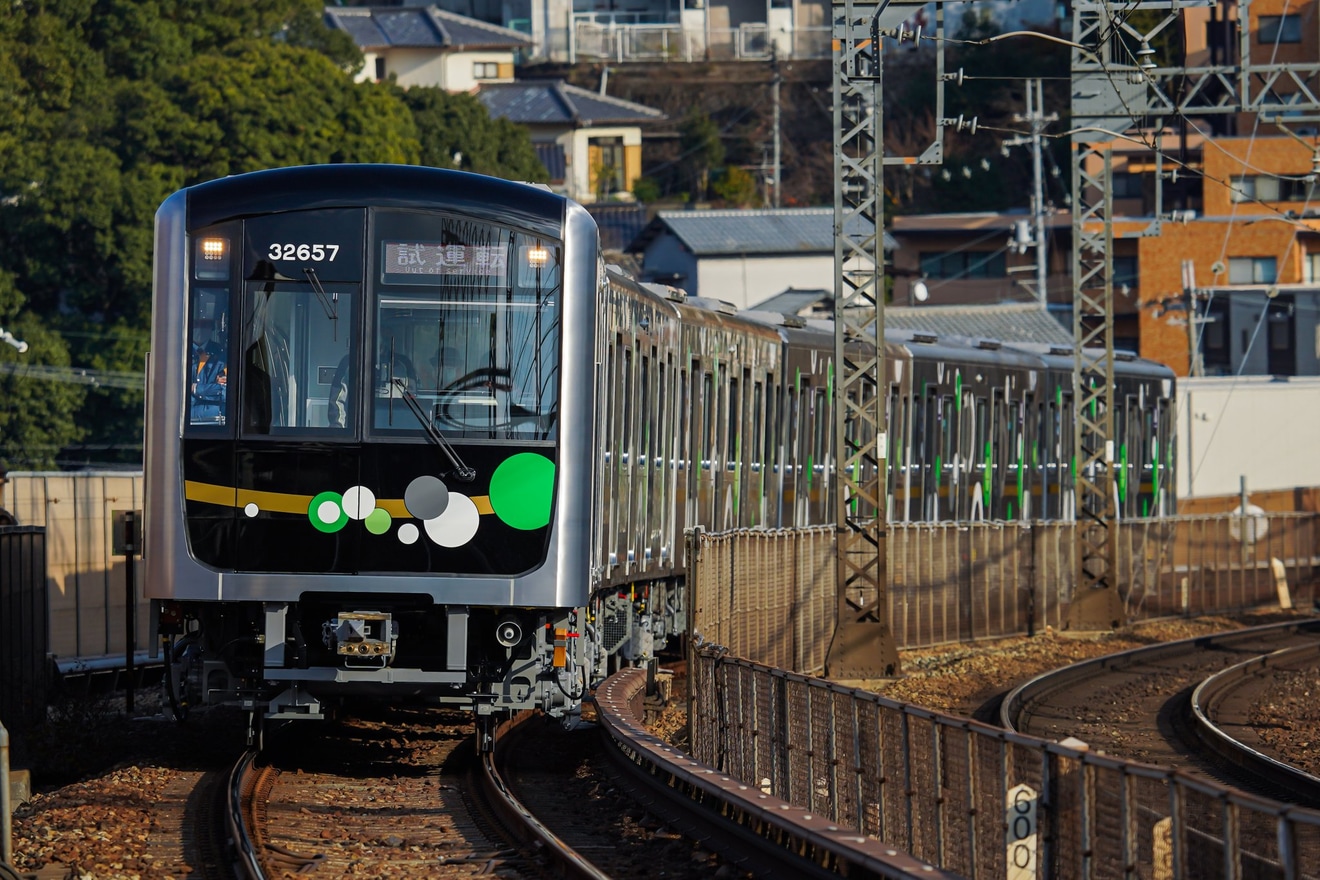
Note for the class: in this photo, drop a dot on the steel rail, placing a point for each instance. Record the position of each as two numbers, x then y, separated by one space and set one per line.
516 818
242 782
801 843
1019 700
1210 694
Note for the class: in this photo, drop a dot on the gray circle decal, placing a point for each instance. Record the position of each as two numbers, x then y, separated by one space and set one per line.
426 497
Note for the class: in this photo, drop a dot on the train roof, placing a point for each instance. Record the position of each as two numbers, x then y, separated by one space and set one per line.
303 187
1062 358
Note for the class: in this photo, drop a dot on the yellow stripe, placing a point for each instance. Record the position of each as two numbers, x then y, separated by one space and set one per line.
280 502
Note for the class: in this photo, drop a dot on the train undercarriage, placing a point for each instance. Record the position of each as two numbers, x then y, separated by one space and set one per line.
303 660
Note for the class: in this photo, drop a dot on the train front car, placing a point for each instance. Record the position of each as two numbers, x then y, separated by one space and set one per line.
369 450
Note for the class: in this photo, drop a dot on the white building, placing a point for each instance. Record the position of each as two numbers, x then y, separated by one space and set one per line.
425 46
740 256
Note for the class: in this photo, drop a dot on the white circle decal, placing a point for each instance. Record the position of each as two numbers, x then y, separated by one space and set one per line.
456 526
251 509
328 512
408 533
359 502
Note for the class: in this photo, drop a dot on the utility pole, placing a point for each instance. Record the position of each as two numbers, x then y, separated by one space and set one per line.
1036 118
775 80
1189 297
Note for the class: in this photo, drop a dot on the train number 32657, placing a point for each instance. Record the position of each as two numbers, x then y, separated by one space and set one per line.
316 253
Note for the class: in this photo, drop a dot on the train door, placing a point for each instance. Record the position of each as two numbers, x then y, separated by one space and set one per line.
610 466
1001 426
684 482
627 456
756 458
773 466
706 404
296 412
795 479
642 533
731 472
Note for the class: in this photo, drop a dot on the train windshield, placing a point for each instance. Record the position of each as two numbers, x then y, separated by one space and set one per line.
466 329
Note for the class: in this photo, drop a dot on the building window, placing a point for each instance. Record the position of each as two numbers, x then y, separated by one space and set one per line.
380 68
1126 185
485 70
1265 188
963 264
1252 270
1125 273
605 156
1313 267
1279 29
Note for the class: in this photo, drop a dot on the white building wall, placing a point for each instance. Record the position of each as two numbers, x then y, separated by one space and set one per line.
459 67
417 67
745 281
1253 427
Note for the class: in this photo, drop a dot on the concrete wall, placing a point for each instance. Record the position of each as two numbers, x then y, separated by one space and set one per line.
745 281
1252 426
86 581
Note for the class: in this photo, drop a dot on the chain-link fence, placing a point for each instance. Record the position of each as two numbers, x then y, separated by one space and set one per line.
976 800
770 596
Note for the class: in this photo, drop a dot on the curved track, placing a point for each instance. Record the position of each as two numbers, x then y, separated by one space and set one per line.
1222 712
416 800
1139 704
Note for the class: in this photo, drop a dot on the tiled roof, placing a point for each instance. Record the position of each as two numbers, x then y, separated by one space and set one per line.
551 155
766 231
555 102
1010 322
1006 322
420 28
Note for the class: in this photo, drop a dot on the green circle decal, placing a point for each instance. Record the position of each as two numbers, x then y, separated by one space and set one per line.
378 521
327 512
521 490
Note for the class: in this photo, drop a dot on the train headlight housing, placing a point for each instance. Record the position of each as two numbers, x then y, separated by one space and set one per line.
211 258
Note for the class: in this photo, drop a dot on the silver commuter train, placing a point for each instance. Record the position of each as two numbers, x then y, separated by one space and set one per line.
418 484
369 457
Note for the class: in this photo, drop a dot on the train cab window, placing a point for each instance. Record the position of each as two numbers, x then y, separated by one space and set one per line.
466 338
208 371
296 342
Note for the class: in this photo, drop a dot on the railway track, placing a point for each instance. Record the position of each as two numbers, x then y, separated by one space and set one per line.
1143 705
1223 719
384 798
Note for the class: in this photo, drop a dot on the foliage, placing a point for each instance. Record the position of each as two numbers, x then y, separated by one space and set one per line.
702 149
108 106
450 125
646 189
736 187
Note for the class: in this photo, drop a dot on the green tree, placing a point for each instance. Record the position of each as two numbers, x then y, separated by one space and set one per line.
736 187
450 125
702 149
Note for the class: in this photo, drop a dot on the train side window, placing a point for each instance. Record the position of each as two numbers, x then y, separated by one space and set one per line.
627 396
734 425
646 443
708 415
209 356
684 422
758 424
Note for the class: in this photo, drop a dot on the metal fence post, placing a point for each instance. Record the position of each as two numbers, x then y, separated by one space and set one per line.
6 818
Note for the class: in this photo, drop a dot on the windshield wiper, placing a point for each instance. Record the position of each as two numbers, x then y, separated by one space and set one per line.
461 471
329 302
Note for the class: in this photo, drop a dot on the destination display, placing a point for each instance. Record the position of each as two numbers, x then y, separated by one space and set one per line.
413 262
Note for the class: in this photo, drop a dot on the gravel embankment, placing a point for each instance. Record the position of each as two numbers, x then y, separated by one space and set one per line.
92 814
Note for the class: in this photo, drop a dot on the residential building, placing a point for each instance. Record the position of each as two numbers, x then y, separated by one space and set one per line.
426 46
740 256
590 143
